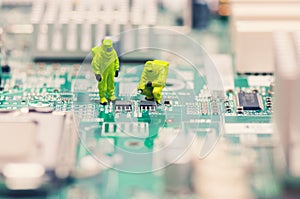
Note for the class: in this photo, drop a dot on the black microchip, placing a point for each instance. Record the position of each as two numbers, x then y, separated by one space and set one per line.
249 101
123 105
147 105
167 102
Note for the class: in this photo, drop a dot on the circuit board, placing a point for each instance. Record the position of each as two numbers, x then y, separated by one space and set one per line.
134 148
133 137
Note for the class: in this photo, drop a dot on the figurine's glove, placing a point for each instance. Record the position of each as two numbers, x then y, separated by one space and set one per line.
149 84
140 91
98 77
117 73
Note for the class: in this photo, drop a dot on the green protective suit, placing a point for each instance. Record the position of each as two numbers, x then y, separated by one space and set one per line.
156 73
106 64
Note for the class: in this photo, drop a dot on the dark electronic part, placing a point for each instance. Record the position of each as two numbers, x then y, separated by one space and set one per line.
167 102
123 105
249 101
6 69
268 99
147 105
239 110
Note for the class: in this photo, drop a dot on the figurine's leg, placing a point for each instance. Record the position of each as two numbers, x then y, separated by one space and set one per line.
111 87
148 92
157 93
102 87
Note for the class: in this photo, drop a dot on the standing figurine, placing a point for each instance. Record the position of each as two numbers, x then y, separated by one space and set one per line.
105 65
153 80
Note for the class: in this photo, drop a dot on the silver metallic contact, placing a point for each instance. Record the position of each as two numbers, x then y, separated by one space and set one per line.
66 29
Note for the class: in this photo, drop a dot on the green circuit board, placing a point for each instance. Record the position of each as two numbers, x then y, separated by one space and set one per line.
131 131
139 143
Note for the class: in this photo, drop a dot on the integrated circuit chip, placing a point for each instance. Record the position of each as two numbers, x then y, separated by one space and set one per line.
123 105
148 105
249 101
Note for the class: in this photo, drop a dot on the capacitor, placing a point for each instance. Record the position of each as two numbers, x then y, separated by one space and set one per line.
271 89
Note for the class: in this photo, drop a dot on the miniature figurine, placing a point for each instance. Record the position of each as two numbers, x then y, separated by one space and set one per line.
105 65
153 80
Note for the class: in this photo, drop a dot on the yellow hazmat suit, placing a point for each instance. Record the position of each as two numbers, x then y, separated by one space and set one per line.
153 79
105 65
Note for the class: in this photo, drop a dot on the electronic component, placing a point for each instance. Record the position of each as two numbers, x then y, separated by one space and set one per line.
272 88
204 108
63 37
64 29
253 22
44 157
123 105
6 69
253 58
167 103
268 102
214 108
249 101
147 105
200 13
220 171
227 106
66 96
264 10
223 63
239 110
287 97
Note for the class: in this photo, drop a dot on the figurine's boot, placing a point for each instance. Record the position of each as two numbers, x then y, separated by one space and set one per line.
103 101
102 87
112 98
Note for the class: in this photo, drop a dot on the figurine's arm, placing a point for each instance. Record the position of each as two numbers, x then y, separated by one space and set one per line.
116 65
143 81
96 63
